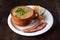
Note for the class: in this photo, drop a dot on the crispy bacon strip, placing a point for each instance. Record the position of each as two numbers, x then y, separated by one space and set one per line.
35 28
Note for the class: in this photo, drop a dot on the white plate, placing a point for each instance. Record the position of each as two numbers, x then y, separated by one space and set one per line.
17 29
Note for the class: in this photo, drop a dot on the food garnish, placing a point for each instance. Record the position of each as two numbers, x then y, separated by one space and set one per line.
21 11
40 18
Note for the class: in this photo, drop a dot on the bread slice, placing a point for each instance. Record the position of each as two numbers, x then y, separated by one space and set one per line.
39 9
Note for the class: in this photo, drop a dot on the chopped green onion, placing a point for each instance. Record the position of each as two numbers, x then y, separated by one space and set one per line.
21 11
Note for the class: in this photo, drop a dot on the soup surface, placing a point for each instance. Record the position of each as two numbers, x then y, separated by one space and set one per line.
22 12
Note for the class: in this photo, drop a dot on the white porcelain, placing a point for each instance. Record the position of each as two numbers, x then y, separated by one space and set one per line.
17 29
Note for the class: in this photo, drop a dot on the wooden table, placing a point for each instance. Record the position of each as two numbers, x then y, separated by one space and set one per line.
52 5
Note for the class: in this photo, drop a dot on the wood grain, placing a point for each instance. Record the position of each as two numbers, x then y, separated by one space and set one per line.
52 5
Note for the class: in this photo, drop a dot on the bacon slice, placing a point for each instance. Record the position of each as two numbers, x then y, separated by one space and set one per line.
35 28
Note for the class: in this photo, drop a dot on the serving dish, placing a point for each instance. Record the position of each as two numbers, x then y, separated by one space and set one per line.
17 29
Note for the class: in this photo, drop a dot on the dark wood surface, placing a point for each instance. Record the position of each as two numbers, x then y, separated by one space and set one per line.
52 5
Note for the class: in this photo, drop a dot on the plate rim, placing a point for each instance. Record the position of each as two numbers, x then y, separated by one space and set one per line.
30 35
